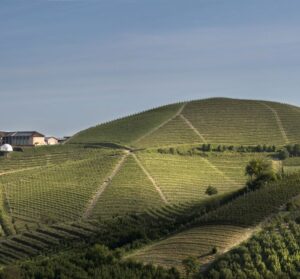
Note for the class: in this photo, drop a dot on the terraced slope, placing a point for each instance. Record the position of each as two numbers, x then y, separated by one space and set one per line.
215 121
197 242
56 193
291 165
289 116
55 185
42 156
129 129
228 121
186 178
129 191
173 133
42 239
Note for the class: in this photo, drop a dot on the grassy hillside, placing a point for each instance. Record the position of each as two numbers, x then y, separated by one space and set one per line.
128 129
215 121
223 228
197 242
83 181
186 178
58 188
228 121
130 191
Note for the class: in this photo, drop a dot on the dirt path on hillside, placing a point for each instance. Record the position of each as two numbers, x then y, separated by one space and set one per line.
219 171
93 201
157 188
161 125
193 128
19 170
279 122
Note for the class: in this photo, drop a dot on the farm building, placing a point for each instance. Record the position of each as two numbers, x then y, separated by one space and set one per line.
51 140
30 138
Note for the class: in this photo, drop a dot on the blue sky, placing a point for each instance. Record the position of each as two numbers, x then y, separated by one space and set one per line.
66 65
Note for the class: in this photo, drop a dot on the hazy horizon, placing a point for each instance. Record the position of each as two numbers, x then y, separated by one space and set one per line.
69 65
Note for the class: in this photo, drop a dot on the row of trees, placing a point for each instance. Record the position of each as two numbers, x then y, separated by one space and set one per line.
282 154
241 148
289 151
216 148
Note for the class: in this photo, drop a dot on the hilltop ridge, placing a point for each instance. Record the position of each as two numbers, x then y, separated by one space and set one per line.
214 120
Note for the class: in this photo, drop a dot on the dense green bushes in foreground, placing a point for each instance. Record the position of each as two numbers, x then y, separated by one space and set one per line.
273 253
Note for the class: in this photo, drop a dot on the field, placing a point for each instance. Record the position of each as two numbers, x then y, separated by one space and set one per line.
54 192
126 130
186 178
215 121
175 132
223 228
130 191
116 169
290 118
197 242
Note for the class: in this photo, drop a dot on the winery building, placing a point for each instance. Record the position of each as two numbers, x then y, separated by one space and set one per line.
30 138
51 140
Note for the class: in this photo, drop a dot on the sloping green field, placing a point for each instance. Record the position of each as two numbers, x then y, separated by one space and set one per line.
197 242
84 180
185 178
216 121
58 192
130 191
128 129
227 121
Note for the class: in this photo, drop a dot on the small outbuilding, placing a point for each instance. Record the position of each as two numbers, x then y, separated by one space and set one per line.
6 148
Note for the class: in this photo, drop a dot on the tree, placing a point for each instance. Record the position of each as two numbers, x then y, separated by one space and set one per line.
211 191
190 265
259 148
296 150
283 154
260 172
214 250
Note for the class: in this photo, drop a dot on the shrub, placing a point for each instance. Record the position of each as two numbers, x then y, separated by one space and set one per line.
283 154
211 191
214 250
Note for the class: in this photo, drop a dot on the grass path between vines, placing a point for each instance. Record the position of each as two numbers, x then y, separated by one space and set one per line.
193 128
160 125
93 201
279 122
149 176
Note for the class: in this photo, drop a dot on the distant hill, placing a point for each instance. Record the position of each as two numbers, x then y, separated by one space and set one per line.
215 121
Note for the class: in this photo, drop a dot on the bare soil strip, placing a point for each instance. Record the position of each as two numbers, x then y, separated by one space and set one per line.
93 201
193 128
279 122
164 199
161 125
